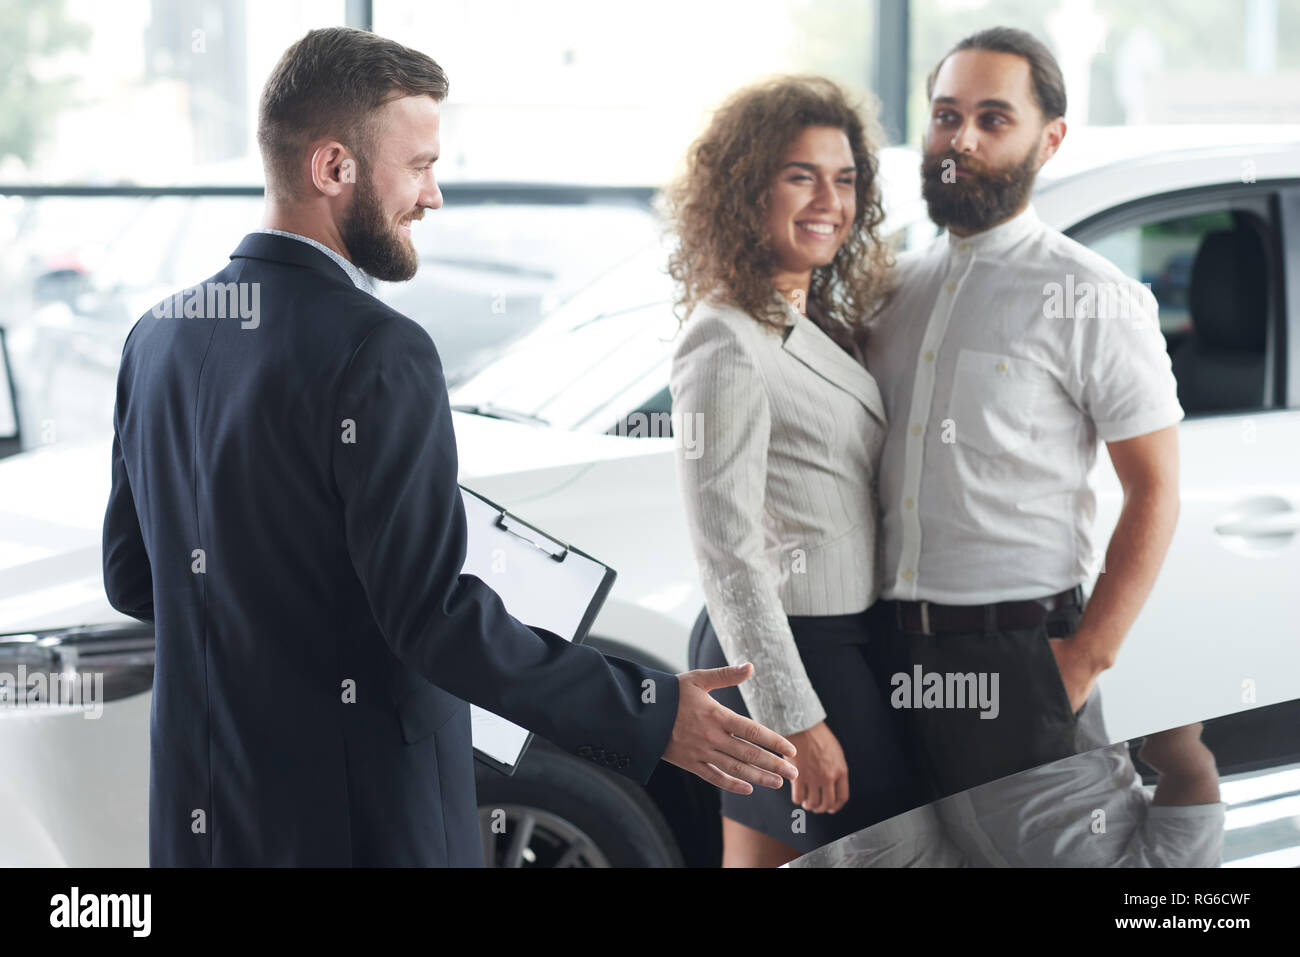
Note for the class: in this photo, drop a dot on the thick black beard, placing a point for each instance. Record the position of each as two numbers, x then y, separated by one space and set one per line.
983 199
370 240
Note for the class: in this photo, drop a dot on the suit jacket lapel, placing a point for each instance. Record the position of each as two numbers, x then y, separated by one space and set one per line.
820 353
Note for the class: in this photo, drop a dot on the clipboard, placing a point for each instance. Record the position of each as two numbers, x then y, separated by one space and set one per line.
544 583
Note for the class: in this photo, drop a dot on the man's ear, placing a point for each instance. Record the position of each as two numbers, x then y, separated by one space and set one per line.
1053 134
333 168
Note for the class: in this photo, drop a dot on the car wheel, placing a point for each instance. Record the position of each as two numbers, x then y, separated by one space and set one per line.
558 811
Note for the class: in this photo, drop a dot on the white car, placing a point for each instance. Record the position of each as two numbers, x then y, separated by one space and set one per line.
567 429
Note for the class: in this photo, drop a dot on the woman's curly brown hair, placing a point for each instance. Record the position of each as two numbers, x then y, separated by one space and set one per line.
718 207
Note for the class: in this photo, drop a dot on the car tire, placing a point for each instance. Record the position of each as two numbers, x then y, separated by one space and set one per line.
559 811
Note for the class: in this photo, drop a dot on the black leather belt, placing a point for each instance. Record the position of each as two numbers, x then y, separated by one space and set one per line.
930 618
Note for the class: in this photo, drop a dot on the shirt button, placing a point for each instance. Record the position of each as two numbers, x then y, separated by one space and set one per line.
929 357
951 287
908 574
1002 367
964 246
916 430
908 503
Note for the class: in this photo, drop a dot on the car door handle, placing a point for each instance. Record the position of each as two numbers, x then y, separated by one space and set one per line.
1260 526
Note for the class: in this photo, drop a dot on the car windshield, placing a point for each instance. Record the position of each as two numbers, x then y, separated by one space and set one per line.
609 342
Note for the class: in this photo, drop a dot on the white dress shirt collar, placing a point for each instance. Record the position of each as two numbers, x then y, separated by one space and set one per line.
1001 237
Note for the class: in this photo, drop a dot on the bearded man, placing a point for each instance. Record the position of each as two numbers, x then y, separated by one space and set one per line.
996 403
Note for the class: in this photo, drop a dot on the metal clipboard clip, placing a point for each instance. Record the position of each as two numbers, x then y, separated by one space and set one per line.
503 520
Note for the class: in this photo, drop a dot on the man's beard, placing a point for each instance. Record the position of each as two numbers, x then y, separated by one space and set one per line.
374 245
984 198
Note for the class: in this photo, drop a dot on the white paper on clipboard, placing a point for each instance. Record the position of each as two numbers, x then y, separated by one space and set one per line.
520 564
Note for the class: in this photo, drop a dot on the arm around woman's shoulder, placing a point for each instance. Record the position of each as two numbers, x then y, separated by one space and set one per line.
723 479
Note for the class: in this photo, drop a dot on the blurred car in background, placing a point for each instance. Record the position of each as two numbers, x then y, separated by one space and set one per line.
79 269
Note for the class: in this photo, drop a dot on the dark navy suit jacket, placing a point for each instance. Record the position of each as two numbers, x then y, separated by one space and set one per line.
284 509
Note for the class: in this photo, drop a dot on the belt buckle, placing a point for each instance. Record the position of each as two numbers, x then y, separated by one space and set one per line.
925 618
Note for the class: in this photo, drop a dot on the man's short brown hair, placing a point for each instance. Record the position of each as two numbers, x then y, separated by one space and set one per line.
330 84
1045 73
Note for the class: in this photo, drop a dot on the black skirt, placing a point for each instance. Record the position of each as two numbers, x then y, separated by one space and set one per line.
838 656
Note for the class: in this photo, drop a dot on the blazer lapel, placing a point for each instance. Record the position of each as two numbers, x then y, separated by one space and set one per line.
820 353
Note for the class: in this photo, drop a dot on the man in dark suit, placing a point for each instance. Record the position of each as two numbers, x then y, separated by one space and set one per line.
284 508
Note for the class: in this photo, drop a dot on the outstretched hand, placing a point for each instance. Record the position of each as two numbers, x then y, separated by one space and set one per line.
726 749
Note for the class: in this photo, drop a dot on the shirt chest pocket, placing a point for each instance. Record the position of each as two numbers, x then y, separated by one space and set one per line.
994 400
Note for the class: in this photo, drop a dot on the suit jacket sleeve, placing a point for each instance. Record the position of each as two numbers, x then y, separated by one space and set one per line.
406 534
723 489
128 576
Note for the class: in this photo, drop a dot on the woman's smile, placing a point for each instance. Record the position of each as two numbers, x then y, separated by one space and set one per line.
818 230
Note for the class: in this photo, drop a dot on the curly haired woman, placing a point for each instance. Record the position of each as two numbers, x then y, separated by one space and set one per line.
779 267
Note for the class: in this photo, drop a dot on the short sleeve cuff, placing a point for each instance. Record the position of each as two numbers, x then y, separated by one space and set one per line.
1136 425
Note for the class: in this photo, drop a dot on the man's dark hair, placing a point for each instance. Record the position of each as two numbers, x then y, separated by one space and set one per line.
331 83
1045 73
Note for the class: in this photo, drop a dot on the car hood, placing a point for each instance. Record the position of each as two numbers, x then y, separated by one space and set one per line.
52 504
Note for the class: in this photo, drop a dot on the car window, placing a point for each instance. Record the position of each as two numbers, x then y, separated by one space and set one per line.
651 419
1160 254
1210 273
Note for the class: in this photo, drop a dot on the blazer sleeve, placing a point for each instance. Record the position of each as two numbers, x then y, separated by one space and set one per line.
405 528
723 484
128 576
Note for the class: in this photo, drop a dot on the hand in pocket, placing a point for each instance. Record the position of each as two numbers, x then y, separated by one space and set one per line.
1076 675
